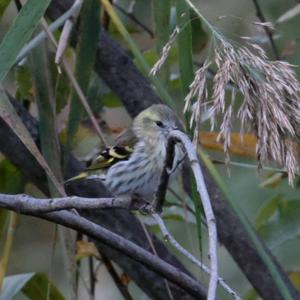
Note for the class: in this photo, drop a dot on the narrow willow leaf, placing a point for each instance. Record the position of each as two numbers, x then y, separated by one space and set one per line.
184 43
161 11
200 37
47 112
19 33
85 57
267 211
284 225
9 115
23 80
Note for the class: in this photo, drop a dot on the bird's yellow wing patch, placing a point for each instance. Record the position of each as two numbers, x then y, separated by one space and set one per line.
109 157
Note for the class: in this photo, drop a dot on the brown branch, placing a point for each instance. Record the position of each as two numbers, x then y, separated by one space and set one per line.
113 240
25 203
92 276
164 178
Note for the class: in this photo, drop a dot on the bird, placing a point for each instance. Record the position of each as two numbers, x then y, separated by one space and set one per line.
134 164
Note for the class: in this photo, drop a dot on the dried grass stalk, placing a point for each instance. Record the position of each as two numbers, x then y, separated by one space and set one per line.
270 106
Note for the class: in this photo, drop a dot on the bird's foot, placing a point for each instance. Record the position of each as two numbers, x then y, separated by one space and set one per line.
142 205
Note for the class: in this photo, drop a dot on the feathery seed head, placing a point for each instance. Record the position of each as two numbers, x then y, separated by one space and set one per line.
155 122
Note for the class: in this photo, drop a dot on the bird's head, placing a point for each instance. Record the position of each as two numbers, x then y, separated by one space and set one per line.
155 122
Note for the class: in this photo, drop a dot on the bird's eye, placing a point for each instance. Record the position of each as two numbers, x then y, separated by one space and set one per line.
159 123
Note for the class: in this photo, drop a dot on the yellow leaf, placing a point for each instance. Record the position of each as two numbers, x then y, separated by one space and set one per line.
86 249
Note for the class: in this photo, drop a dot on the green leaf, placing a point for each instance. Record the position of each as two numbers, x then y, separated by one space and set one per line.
19 33
85 57
94 94
12 285
283 224
200 37
185 55
47 112
62 83
161 11
272 180
39 287
24 83
267 211
3 6
184 42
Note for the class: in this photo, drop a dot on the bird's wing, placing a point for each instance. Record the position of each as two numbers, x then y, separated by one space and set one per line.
122 150
109 157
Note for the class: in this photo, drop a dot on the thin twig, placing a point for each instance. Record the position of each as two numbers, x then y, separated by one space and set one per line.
133 18
116 278
92 276
150 241
66 32
167 235
76 86
209 214
268 31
